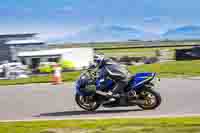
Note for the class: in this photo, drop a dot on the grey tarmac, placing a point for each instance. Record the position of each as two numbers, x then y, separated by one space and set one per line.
180 97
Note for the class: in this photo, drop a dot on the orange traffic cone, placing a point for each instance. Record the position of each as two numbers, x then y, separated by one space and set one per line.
57 78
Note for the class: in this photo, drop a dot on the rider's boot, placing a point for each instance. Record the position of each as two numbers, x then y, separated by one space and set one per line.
117 92
112 97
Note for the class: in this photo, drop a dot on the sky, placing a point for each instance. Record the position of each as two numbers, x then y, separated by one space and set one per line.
62 18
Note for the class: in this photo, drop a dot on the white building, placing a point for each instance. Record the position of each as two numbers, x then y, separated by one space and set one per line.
81 57
11 44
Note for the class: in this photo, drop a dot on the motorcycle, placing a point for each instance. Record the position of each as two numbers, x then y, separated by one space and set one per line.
92 91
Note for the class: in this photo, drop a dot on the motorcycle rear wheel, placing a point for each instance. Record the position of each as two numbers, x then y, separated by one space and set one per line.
87 103
152 99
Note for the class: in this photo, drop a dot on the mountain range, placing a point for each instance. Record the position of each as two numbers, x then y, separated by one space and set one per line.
185 32
120 33
110 33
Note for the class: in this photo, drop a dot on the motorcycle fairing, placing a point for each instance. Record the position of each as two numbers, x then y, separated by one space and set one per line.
136 82
139 79
103 83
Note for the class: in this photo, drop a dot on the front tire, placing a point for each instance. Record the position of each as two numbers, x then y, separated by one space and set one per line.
87 102
152 99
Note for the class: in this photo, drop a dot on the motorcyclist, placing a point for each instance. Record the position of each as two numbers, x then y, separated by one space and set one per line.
113 70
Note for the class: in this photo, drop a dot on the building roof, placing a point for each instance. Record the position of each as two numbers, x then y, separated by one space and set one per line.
23 42
7 36
50 52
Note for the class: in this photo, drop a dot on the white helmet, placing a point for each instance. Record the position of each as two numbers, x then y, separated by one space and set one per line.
98 58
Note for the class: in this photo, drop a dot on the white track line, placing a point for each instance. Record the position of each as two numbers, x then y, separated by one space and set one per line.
100 118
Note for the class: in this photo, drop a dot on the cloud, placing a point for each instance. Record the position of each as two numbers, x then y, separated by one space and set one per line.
153 19
59 34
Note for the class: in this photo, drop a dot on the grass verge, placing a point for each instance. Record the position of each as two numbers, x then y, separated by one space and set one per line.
156 125
67 77
171 69
167 69
147 52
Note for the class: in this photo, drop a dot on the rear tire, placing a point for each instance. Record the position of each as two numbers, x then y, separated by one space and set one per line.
86 102
145 94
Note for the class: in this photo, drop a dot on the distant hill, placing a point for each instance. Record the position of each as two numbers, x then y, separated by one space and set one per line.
183 33
106 33
117 33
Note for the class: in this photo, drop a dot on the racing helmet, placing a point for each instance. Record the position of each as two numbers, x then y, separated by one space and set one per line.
98 58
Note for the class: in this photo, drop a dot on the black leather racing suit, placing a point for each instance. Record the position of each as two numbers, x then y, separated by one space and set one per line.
116 72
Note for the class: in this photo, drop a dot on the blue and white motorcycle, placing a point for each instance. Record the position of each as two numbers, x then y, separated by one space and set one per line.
92 91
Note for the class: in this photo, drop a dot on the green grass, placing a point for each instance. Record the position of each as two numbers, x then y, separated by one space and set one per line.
156 125
167 69
171 69
66 76
134 54
147 52
132 50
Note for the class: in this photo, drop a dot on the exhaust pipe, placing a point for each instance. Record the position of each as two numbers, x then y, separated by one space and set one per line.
137 101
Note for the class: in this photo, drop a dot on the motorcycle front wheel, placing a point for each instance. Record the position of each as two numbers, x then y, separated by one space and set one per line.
87 102
152 99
